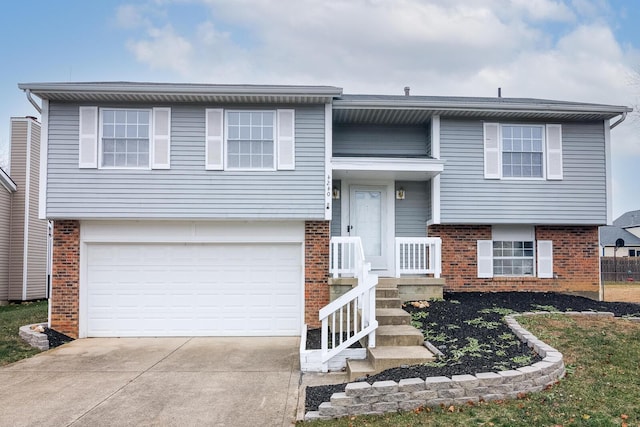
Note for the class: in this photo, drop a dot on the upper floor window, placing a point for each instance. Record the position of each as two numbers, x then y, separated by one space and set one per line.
522 151
125 138
250 139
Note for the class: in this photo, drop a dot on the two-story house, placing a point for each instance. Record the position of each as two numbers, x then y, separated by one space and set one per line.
184 209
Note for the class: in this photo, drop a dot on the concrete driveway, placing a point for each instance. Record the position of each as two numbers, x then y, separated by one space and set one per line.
155 382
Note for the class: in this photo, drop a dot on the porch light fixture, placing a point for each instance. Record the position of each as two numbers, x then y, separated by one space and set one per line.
400 194
336 193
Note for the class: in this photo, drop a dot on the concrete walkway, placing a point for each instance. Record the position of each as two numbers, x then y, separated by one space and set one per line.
155 382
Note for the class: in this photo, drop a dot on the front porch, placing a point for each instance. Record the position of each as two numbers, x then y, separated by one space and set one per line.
416 271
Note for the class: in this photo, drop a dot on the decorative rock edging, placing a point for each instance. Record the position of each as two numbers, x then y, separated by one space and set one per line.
362 398
32 335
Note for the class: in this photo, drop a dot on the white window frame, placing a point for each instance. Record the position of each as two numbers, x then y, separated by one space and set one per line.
532 258
225 131
543 128
552 152
542 251
100 138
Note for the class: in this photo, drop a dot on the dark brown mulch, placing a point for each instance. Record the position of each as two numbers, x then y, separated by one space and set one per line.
474 320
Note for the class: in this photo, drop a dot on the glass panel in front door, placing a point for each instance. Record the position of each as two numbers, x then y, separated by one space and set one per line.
368 221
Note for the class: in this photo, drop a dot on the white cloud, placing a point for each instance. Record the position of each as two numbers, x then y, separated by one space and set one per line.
129 16
164 49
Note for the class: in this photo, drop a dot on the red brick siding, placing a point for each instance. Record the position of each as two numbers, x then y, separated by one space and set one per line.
65 277
316 275
575 260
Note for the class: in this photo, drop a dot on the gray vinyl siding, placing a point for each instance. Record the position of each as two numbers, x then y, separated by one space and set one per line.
37 236
413 212
466 197
5 221
18 174
376 140
186 190
336 214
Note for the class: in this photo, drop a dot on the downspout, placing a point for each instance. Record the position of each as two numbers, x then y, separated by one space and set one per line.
32 101
624 116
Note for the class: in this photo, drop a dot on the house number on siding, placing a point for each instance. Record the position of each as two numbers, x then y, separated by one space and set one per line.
328 194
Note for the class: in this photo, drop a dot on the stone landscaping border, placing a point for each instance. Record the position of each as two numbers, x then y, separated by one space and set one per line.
34 338
362 398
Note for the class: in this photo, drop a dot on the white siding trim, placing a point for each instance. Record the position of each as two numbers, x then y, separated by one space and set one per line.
214 137
435 137
435 200
328 150
554 151
27 203
545 259
44 141
161 139
286 139
492 161
485 259
88 137
608 171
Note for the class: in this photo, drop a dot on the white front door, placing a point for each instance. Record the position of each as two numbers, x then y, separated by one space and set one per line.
368 220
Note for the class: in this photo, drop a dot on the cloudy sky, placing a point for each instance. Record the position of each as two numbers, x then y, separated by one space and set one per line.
576 50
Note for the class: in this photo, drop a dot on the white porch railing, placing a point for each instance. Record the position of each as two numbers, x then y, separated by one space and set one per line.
352 316
418 255
346 256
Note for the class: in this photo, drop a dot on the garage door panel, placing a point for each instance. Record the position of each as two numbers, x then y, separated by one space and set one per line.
193 289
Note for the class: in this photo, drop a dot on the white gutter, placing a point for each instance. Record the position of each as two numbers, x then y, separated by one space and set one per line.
32 101
624 116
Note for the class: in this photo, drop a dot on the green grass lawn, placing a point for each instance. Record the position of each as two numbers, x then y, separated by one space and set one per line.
602 386
12 347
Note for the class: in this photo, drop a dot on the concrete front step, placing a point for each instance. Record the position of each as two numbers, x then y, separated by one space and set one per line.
386 292
392 316
388 303
398 335
383 358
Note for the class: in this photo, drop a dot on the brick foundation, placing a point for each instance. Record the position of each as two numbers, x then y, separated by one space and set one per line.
316 275
575 260
65 277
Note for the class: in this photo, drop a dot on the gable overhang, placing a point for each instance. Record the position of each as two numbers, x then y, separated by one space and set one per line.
382 168
181 93
7 182
412 112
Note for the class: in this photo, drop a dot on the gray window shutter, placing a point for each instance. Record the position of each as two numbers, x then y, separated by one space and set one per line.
485 258
161 139
88 143
214 133
554 151
286 140
492 151
545 259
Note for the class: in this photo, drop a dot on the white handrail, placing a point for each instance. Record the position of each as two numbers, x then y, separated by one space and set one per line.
352 316
418 255
346 256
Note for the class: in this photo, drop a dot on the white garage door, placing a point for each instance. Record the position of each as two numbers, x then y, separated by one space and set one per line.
193 289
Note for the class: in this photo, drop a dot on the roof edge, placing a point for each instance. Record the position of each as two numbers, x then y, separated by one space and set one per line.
470 105
41 89
7 182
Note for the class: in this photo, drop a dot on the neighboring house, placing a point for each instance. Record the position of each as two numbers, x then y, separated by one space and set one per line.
185 209
7 189
23 237
625 230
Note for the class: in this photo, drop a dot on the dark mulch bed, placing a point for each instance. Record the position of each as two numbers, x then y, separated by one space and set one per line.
468 329
56 338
